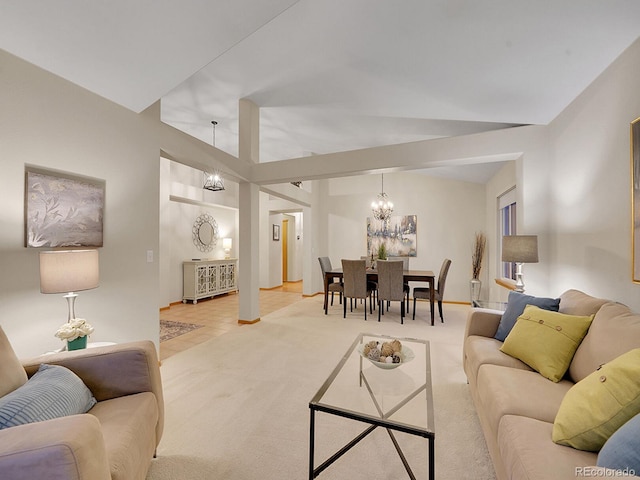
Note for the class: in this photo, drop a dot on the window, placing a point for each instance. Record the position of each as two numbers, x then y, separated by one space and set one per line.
507 221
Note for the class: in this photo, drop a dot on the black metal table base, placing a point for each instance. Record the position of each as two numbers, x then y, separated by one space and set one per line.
315 471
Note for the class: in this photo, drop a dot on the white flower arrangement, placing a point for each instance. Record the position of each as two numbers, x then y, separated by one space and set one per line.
76 328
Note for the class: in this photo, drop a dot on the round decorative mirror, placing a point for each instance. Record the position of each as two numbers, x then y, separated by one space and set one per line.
205 232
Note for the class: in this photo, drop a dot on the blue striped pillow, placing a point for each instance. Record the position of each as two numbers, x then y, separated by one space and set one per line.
53 392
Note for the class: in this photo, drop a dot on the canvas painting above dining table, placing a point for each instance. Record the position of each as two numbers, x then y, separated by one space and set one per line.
399 235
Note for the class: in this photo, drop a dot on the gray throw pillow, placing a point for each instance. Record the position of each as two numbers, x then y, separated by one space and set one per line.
53 392
515 306
622 450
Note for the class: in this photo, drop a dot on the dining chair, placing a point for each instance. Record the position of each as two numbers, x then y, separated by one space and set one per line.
367 260
355 284
405 262
373 285
334 287
390 285
405 285
424 293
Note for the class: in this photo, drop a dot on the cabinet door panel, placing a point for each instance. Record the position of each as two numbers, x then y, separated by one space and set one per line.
214 283
203 283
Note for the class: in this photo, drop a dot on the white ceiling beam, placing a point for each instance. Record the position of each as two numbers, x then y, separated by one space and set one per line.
493 146
291 193
190 151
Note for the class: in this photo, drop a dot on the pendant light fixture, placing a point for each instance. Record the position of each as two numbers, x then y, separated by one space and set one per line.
382 207
213 181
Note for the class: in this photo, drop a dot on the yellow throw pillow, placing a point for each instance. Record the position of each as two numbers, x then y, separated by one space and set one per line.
595 407
545 340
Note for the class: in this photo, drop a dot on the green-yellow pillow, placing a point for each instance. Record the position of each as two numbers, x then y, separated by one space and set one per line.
595 407
545 340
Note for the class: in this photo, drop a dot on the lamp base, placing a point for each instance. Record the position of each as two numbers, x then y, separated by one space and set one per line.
519 278
71 300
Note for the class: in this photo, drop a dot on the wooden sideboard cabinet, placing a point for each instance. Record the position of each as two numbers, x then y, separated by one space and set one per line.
207 278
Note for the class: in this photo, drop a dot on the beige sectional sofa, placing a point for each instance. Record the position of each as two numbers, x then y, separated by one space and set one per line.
517 406
115 440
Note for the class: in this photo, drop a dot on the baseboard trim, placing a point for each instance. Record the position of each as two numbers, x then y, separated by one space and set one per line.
248 322
170 305
452 302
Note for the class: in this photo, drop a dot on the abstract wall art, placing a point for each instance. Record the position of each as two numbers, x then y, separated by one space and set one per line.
399 234
62 210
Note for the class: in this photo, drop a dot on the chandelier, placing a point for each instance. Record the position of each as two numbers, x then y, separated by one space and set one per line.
383 207
213 181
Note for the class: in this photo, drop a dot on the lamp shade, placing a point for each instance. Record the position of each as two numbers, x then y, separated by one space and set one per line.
64 271
226 243
520 248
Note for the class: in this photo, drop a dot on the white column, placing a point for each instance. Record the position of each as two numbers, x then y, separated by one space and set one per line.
249 217
249 131
248 277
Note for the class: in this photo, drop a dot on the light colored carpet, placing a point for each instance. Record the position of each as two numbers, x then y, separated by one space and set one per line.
237 406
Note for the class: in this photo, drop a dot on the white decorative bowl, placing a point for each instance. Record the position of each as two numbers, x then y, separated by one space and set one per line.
406 355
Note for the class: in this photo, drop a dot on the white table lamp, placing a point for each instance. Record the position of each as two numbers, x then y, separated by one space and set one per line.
69 271
226 245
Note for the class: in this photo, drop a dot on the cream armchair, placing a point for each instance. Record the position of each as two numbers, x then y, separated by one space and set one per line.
115 439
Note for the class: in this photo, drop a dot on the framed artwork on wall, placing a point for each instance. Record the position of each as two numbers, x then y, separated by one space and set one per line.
399 235
62 210
635 199
276 232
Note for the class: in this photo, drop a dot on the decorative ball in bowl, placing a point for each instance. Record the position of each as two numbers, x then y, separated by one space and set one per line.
386 355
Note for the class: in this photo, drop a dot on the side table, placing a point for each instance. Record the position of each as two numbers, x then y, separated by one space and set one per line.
501 306
89 345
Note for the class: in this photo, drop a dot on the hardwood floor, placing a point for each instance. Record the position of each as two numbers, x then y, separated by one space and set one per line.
219 314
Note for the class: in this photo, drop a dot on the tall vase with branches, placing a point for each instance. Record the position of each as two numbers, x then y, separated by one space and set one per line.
477 256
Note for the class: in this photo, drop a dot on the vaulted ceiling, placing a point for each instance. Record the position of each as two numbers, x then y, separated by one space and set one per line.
328 75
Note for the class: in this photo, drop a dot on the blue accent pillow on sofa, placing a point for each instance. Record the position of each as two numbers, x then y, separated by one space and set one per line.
515 306
622 450
52 392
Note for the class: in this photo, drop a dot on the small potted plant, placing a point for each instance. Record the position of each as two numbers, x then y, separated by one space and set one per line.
382 252
75 333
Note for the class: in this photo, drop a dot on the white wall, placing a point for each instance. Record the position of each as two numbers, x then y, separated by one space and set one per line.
295 254
274 249
449 213
590 186
49 122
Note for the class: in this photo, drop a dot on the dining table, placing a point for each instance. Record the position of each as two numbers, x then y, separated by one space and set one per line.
372 275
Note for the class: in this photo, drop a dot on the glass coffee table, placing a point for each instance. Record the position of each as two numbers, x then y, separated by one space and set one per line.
397 397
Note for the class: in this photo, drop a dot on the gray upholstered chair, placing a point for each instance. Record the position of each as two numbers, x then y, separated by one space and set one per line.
424 293
405 267
334 286
372 285
390 285
355 284
404 260
367 260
